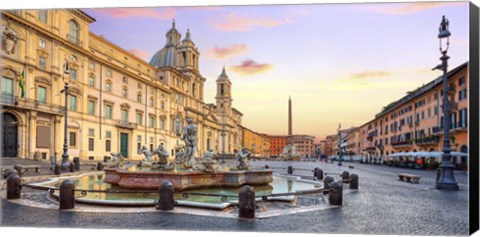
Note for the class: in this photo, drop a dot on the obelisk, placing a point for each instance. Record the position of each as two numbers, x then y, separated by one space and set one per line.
289 137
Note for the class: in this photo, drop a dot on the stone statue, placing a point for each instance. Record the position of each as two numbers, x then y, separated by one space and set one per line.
190 139
180 156
162 159
208 163
147 161
241 159
117 160
9 40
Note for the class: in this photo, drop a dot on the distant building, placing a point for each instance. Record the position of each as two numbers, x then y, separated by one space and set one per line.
277 143
304 145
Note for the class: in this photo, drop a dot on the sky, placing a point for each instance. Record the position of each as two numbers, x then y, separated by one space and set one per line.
340 63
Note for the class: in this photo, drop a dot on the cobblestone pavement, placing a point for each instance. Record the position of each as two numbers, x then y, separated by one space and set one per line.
383 205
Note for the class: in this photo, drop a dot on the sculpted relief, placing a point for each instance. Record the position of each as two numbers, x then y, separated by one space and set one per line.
9 40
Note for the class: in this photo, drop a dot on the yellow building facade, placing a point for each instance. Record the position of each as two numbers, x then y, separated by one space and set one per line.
117 102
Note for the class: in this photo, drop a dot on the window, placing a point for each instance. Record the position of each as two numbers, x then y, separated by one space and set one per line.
91 66
72 139
42 43
162 105
139 85
462 94
151 102
42 16
108 134
109 73
124 115
193 89
42 94
221 89
125 92
177 125
91 132
109 87
151 122
139 98
7 88
125 79
91 107
463 118
73 74
73 103
162 124
461 81
453 120
139 119
108 111
108 145
73 32
42 62
91 81
91 144
435 111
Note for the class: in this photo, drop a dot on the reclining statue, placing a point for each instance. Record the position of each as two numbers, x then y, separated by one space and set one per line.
162 159
147 161
117 160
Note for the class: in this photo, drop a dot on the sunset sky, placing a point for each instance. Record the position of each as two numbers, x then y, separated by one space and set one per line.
340 63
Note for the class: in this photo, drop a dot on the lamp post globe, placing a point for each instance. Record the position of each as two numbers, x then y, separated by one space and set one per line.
447 178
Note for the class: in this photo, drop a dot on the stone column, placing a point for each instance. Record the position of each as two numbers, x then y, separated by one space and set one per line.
32 133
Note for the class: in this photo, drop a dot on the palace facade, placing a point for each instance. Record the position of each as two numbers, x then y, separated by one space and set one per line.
117 102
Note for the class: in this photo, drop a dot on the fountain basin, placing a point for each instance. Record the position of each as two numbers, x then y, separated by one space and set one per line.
144 180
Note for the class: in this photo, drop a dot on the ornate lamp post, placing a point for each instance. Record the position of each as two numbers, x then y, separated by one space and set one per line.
64 164
340 153
447 177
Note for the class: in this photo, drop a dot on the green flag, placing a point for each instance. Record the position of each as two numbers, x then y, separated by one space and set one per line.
21 83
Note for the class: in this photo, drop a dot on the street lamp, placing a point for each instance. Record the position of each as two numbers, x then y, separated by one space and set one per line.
340 154
447 177
66 70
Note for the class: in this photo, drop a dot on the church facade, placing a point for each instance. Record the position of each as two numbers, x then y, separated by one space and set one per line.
117 102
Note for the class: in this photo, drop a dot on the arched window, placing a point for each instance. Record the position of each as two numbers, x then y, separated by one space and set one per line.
73 32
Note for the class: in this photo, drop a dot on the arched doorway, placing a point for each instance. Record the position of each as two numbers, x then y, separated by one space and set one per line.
10 135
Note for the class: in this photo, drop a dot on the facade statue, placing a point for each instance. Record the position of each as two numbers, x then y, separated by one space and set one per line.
117 160
9 40
190 138
241 159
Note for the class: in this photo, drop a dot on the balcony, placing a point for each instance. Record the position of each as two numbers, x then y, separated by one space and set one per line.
402 144
427 140
370 148
125 124
24 103
74 40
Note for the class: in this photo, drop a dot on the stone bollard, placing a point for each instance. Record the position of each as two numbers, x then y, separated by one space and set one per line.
335 196
100 166
166 202
326 183
353 181
345 176
267 167
14 186
58 169
71 167
315 172
67 195
19 169
8 172
246 202
319 174
76 161
289 169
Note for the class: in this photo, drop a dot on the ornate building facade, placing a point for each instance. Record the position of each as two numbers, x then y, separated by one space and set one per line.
117 102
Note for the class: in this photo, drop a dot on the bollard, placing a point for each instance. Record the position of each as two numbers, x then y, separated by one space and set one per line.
326 183
267 167
166 202
71 167
9 172
335 196
19 169
353 181
290 169
100 166
67 195
14 186
315 172
345 176
58 169
76 161
246 202
319 174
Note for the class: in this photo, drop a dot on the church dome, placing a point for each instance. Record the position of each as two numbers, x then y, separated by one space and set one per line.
164 57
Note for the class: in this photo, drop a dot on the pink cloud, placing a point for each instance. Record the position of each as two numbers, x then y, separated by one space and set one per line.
250 67
161 14
242 22
409 8
142 54
227 52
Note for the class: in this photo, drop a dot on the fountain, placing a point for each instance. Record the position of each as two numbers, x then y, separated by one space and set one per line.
289 153
187 172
